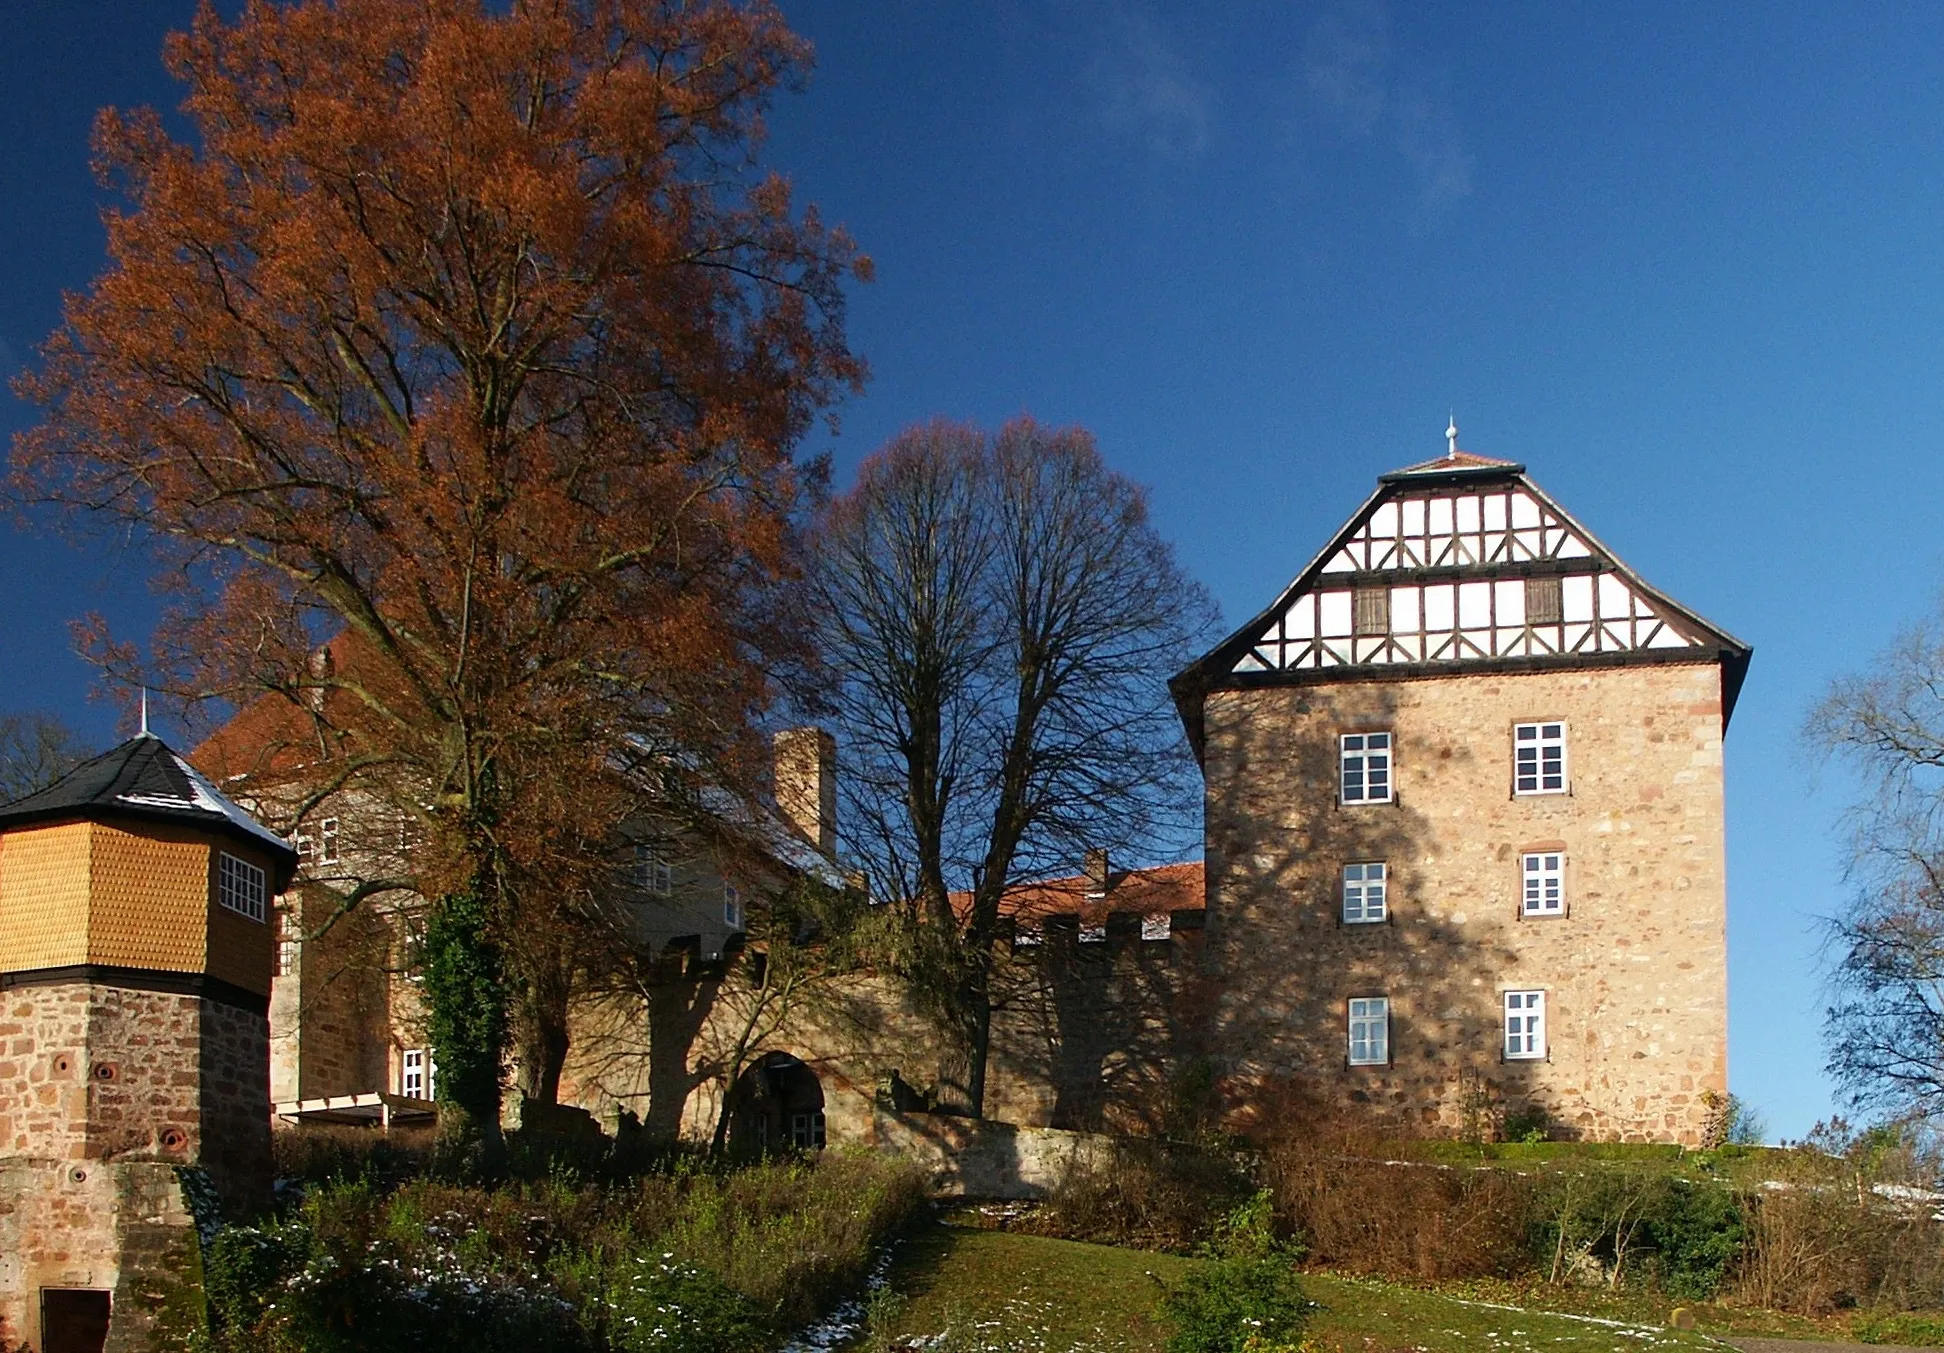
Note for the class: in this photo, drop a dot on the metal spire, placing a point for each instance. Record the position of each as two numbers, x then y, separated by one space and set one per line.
1451 438
145 732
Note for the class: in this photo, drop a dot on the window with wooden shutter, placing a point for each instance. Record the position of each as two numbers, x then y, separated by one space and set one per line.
1542 601
1372 610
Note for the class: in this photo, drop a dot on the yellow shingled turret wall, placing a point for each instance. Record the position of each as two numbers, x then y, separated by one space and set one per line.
88 892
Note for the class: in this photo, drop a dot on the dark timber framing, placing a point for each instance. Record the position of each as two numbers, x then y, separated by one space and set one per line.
1214 671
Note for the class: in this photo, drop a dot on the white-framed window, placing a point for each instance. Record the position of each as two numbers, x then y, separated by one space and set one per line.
1365 768
1525 1025
287 950
417 1073
732 909
239 887
807 1131
1539 758
319 842
1156 926
1364 892
1543 883
1094 931
651 871
1369 1030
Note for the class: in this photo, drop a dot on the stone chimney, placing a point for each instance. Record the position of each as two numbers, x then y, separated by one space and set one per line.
1095 867
806 784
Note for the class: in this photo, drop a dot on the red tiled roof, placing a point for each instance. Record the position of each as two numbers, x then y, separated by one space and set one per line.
1464 460
1148 892
273 733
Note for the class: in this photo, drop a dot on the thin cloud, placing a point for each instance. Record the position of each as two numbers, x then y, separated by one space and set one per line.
1144 85
1350 73
1429 139
1344 61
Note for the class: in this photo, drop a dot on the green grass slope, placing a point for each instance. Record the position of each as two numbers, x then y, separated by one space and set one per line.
968 1291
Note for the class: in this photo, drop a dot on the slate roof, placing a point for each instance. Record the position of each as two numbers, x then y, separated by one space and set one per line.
143 779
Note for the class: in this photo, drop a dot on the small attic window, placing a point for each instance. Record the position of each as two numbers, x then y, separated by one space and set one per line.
1373 610
240 887
1542 603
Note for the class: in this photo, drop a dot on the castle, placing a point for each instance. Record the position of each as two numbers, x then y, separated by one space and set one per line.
1464 824
1463 865
1463 862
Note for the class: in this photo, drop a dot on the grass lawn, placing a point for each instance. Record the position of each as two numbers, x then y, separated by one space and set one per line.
999 1292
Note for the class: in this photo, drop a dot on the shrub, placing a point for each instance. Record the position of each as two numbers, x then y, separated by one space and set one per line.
732 1258
1224 1303
1696 1234
1414 1220
660 1305
1146 1192
1244 1295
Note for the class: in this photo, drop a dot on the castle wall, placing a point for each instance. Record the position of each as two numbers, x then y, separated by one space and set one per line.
329 1024
1085 1036
1635 973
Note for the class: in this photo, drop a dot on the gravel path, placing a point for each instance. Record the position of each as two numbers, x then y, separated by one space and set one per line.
1811 1346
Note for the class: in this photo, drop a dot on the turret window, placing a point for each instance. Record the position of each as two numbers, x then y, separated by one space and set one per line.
239 887
1539 758
732 907
1365 768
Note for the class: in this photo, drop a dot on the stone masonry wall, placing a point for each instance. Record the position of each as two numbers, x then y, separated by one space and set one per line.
329 1029
96 1072
104 1092
1635 974
235 1104
1087 1035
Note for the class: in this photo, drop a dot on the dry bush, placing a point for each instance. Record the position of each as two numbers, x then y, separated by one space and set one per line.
1403 1219
318 1153
1144 1192
1847 1219
1814 1248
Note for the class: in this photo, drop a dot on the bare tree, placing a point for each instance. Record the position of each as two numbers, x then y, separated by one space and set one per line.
1885 1029
35 751
1000 618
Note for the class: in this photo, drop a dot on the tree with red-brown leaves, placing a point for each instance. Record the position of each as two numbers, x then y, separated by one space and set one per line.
474 335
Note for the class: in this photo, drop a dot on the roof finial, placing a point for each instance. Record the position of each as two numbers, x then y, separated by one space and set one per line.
145 732
1451 437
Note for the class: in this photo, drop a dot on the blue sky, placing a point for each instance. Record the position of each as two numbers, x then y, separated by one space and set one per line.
1683 261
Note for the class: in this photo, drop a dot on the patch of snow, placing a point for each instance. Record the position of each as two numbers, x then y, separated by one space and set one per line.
846 1322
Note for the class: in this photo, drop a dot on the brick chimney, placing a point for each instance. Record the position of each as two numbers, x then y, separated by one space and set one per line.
1095 866
806 784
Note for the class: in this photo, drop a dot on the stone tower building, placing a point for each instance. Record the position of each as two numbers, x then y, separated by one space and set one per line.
1464 837
135 964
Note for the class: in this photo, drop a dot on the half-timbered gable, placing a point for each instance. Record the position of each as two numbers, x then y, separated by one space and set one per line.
1456 563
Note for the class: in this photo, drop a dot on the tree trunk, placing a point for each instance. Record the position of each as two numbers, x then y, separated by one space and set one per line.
544 1032
978 1044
